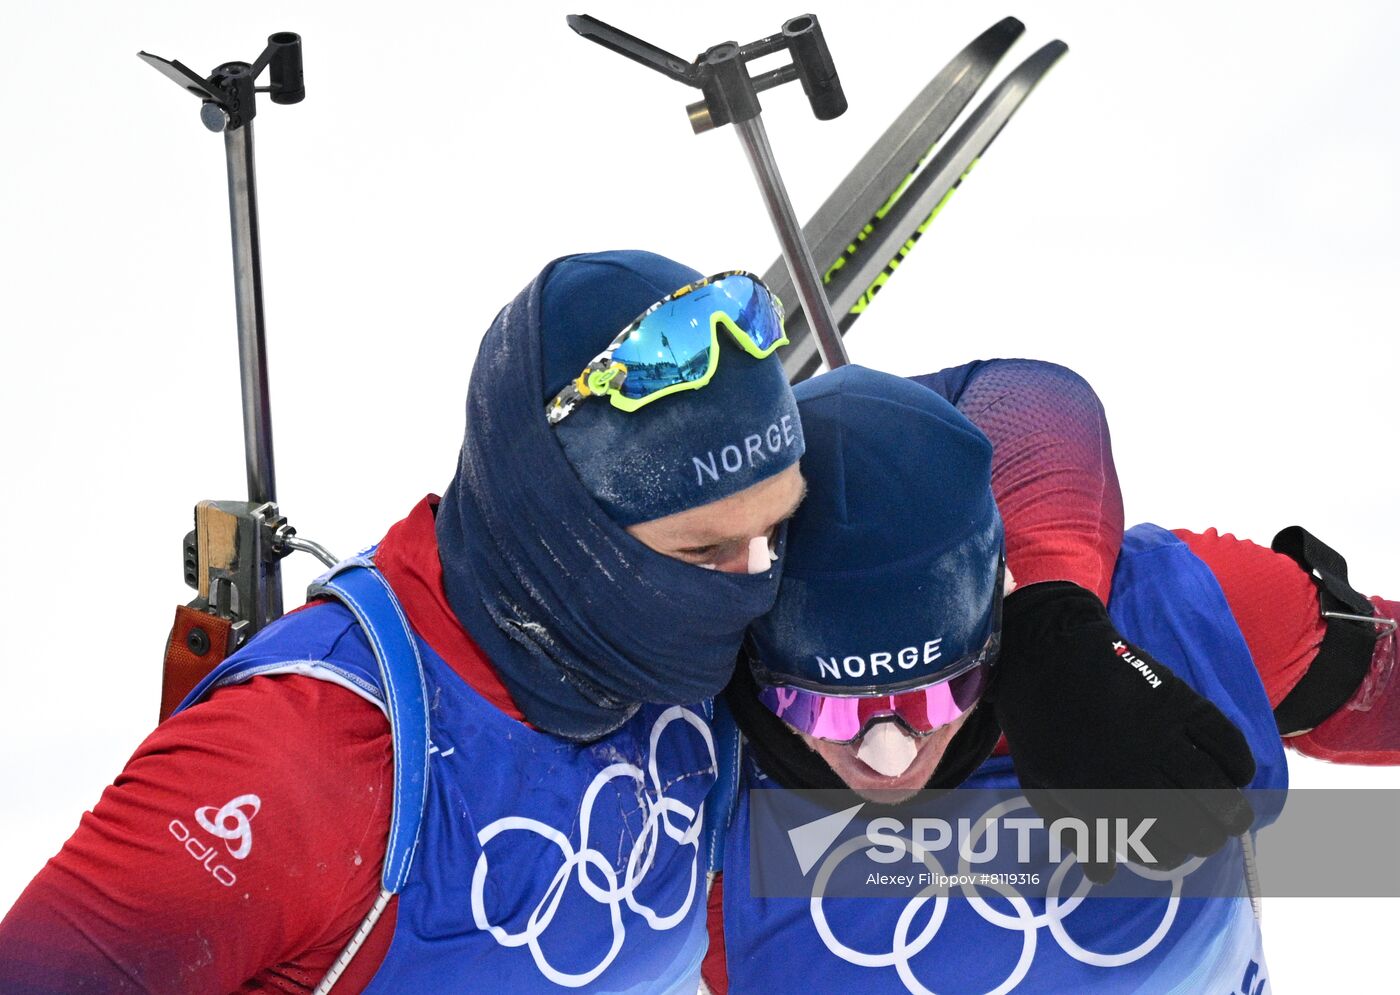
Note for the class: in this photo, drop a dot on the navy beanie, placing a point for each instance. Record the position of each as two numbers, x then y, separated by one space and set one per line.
681 451
894 560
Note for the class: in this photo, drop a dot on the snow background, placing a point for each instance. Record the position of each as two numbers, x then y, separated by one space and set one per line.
1196 211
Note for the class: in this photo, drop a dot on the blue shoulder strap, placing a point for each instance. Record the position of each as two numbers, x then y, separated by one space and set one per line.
719 805
358 585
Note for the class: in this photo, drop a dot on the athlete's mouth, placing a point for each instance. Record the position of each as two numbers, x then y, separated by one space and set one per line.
887 748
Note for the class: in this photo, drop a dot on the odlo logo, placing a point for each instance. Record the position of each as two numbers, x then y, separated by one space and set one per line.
230 824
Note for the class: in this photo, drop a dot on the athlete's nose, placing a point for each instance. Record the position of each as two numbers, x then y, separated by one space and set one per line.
754 558
734 561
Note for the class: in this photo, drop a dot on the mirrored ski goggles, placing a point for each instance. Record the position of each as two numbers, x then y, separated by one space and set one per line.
843 719
674 344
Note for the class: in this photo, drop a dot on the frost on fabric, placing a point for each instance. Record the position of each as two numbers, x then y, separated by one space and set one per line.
525 630
638 483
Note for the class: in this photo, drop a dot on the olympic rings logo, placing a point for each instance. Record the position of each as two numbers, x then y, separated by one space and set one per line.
580 862
903 949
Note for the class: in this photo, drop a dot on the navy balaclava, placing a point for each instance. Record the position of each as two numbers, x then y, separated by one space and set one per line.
582 621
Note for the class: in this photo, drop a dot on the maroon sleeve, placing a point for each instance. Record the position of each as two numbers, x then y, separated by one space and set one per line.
1052 467
238 850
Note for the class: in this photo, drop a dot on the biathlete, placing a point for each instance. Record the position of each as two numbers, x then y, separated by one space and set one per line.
576 597
928 500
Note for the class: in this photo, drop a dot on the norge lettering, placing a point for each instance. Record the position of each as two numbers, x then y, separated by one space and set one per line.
882 660
733 458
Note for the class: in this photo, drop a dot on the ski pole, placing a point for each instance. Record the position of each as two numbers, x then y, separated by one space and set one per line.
233 556
731 97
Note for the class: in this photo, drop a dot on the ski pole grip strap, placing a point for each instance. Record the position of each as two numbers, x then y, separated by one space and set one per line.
1344 657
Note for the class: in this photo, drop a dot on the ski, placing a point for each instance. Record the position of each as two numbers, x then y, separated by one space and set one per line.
894 158
865 259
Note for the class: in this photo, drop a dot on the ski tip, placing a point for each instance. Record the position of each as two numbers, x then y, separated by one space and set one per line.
1031 70
585 24
985 51
999 37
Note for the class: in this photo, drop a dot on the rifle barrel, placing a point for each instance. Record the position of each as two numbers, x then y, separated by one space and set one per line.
252 343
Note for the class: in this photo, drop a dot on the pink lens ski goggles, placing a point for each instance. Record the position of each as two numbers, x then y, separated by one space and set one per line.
842 719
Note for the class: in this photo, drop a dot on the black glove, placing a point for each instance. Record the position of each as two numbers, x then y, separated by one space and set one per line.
1083 708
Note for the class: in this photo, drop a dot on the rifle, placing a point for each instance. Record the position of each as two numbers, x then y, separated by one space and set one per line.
232 557
730 96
